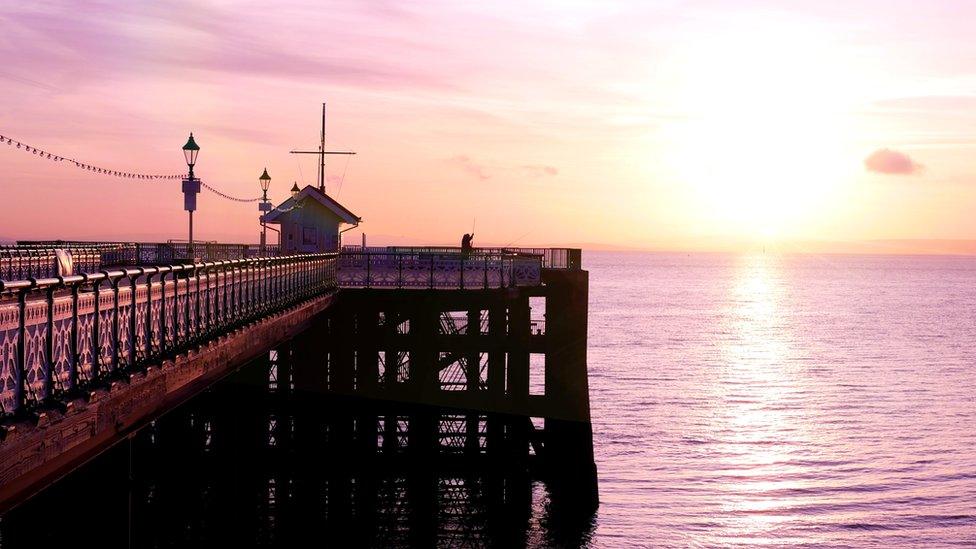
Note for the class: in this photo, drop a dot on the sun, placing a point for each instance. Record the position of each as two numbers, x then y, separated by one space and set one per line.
763 136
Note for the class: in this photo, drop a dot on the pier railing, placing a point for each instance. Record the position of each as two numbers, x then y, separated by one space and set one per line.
17 263
430 268
37 259
119 254
551 258
59 335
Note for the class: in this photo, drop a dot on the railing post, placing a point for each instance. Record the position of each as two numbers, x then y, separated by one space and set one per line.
285 270
73 344
431 271
263 282
272 285
399 270
222 290
257 289
149 348
133 334
115 323
462 271
368 270
186 307
265 287
229 288
232 311
196 305
275 285
207 301
163 332
21 350
511 274
242 295
49 344
96 344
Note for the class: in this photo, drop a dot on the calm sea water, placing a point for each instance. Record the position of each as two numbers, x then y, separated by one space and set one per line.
783 400
819 401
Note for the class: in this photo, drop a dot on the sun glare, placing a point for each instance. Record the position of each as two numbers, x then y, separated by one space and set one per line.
763 140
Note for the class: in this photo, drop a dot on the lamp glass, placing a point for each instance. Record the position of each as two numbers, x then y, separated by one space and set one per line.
190 151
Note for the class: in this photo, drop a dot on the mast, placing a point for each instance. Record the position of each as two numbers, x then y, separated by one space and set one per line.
322 152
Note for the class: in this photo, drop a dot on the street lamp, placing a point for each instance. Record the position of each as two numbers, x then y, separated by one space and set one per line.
191 186
190 152
264 206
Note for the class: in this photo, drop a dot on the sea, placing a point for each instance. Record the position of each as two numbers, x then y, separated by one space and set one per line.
757 400
783 400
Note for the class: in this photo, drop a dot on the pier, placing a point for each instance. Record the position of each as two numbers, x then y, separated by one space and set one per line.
487 346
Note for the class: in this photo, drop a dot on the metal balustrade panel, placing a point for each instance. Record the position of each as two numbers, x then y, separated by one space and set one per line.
79 330
437 270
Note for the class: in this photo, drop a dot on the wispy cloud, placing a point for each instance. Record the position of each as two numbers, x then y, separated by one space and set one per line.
539 170
106 39
470 167
891 162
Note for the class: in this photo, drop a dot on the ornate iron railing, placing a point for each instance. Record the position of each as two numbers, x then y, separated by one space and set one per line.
36 258
117 254
22 263
60 335
552 258
384 269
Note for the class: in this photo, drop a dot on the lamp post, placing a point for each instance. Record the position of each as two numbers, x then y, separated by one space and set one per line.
191 186
264 207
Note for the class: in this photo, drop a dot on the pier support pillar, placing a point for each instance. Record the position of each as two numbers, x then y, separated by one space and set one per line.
367 357
518 353
424 376
568 432
309 365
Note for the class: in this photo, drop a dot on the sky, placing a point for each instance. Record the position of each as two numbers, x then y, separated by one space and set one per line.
651 124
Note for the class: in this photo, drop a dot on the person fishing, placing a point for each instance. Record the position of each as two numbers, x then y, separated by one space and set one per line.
466 244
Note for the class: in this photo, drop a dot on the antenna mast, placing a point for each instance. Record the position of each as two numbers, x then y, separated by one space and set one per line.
322 152
322 155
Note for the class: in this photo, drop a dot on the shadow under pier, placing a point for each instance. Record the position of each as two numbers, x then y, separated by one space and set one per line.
517 354
269 466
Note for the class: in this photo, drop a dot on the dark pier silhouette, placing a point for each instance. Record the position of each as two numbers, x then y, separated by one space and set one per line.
356 384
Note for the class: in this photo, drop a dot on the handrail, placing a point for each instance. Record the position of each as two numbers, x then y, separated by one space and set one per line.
62 335
28 259
552 258
430 270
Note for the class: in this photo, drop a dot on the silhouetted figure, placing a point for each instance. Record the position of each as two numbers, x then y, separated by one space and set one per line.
466 246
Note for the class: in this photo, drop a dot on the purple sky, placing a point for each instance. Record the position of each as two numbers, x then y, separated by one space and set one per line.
652 124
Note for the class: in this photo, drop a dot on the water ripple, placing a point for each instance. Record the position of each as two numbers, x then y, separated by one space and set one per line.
795 400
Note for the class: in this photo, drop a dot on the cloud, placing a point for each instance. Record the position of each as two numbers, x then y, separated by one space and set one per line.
891 162
101 40
540 170
470 167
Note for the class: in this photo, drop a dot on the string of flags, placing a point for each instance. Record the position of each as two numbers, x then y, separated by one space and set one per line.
116 173
88 167
290 208
227 196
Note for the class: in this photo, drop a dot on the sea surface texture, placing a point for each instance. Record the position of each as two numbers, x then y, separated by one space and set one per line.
773 400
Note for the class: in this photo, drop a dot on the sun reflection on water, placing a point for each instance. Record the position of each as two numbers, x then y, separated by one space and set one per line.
754 424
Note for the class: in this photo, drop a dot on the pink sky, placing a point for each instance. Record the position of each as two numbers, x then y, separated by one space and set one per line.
646 124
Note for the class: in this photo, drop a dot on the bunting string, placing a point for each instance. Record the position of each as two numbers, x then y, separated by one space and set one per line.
295 206
227 196
40 153
84 166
